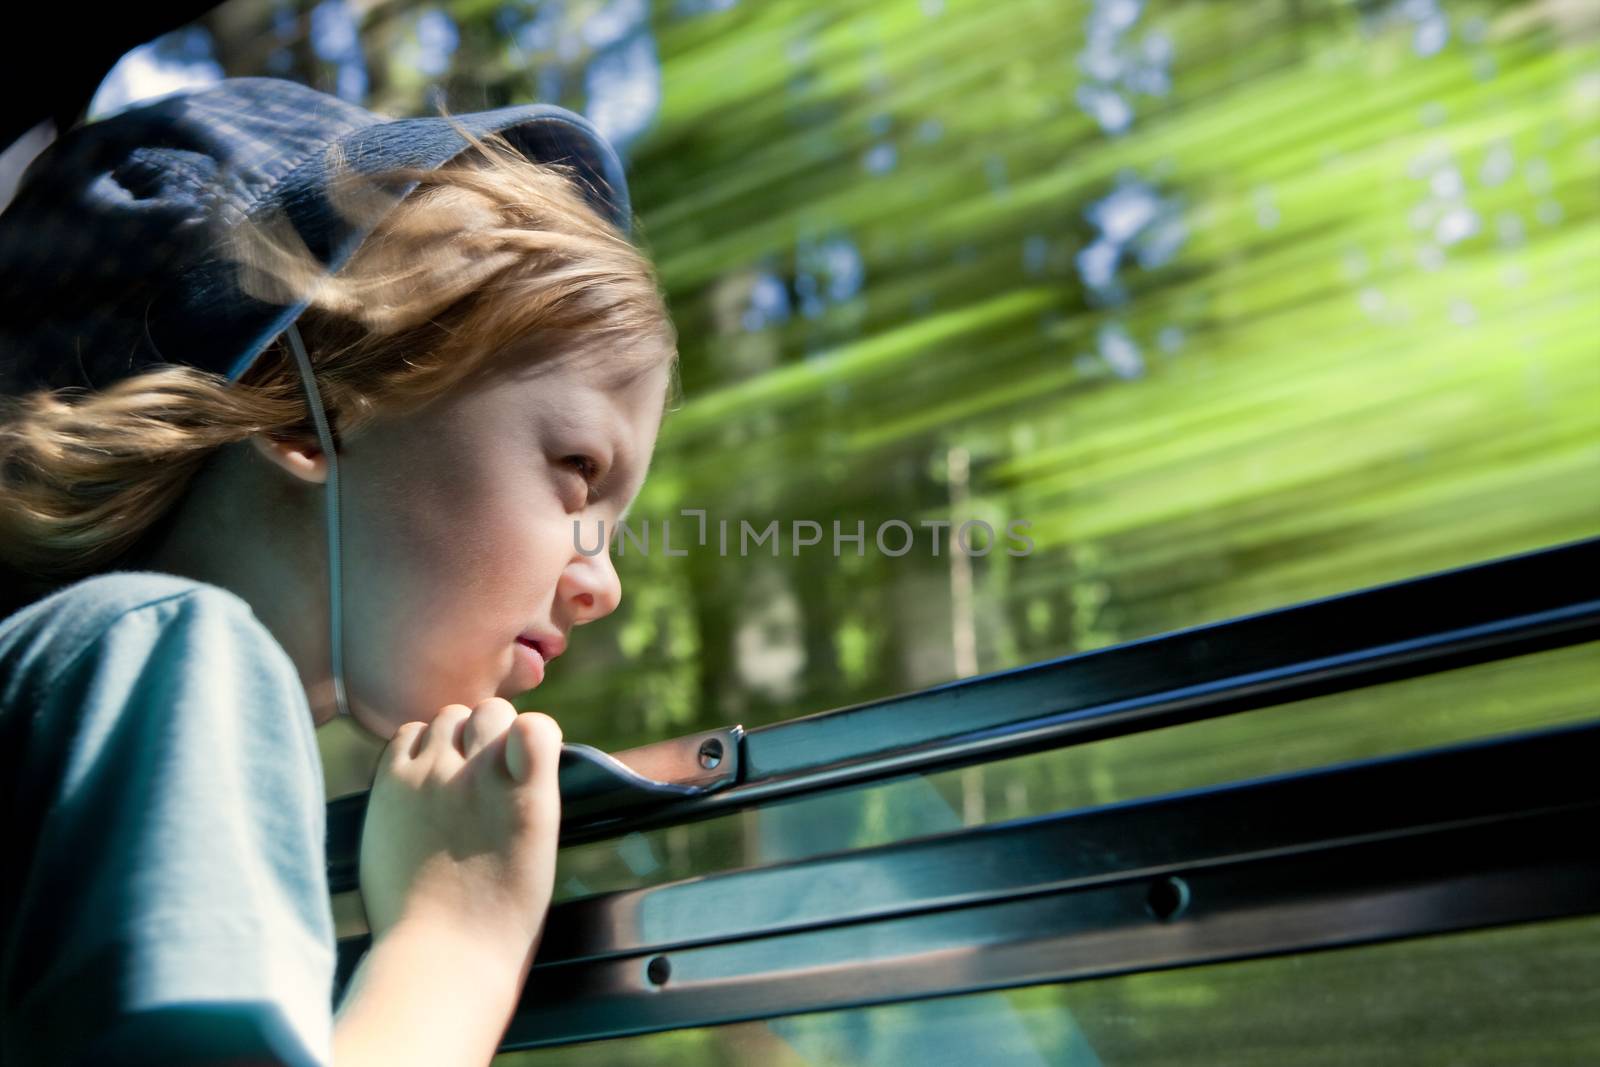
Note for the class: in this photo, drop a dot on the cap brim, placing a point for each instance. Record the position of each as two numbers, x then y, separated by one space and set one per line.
544 133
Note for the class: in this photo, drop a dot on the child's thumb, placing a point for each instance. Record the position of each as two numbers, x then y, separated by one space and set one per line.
519 759
533 747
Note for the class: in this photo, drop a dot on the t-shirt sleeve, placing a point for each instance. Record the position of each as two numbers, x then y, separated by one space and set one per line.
175 908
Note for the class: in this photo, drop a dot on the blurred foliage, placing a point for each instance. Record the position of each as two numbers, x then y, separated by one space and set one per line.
1237 305
1345 336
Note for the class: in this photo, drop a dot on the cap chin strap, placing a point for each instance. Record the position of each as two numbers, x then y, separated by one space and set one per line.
335 606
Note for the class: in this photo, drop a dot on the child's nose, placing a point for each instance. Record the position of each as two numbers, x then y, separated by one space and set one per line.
591 587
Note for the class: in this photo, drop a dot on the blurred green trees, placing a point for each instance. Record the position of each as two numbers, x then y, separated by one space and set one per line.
1236 305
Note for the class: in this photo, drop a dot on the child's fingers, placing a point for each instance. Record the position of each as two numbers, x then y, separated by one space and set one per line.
533 747
441 744
487 724
403 746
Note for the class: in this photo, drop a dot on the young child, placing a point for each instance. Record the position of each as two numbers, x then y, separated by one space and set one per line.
241 494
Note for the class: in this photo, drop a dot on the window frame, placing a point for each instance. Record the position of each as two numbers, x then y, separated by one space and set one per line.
1451 838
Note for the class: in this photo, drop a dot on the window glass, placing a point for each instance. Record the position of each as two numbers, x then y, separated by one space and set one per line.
1230 305
1528 692
1520 994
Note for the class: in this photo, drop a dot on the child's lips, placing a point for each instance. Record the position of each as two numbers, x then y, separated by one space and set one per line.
548 645
532 662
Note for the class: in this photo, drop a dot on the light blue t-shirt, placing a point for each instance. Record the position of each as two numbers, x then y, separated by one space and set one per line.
165 891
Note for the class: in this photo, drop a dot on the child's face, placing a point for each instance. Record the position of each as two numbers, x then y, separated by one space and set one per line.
458 534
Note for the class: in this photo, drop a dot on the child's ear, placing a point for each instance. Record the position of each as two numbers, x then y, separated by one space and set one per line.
303 459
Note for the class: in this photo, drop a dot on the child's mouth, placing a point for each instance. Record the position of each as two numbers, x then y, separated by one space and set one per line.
532 660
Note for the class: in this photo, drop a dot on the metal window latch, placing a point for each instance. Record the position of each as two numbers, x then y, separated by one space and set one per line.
595 782
595 786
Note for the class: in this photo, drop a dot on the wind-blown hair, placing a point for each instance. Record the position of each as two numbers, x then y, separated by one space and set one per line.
488 251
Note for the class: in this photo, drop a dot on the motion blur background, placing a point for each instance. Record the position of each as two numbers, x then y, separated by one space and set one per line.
1237 304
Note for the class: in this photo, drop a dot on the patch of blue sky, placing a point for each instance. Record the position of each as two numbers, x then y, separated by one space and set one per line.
1456 224
285 21
183 59
437 39
1117 15
1124 211
350 83
1429 25
845 269
1431 34
1097 265
1445 214
1447 182
769 302
1159 244
1133 219
1116 68
623 86
614 21
285 28
333 30
827 271
1120 351
539 32
880 158
335 39
1107 107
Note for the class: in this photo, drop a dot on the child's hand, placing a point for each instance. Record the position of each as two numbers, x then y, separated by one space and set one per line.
461 827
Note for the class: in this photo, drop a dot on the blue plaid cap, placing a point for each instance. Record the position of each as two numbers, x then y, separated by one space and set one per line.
110 253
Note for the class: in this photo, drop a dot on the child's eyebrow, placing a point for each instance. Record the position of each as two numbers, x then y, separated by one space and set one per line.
614 428
622 516
622 456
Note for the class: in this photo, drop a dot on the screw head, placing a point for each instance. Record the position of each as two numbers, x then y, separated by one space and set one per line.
1168 898
658 970
710 753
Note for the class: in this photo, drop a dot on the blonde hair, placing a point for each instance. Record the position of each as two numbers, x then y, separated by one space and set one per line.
487 251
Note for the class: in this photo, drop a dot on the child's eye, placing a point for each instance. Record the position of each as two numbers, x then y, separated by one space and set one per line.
586 467
589 470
